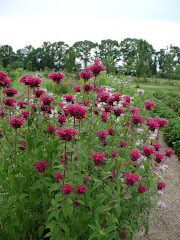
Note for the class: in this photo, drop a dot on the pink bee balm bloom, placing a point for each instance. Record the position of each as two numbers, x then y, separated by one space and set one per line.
135 154
114 154
58 176
148 151
159 157
118 111
9 101
1 133
142 189
75 110
131 178
10 92
69 98
39 92
162 122
66 133
169 152
160 185
87 87
99 89
152 123
136 119
34 81
51 129
110 100
46 108
41 166
61 119
86 179
104 116
25 114
77 88
135 110
96 68
110 131
107 108
157 146
85 74
47 100
149 104
122 144
123 234
67 189
98 158
22 104
102 134
4 80
81 189
56 76
23 145
103 96
127 97
117 96
16 121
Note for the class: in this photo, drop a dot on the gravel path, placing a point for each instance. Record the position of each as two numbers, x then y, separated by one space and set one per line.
168 227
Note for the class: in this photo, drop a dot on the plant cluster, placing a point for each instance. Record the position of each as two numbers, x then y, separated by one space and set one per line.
86 166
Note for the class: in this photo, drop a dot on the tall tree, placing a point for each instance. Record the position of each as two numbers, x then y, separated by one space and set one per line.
109 52
59 49
69 59
7 55
84 51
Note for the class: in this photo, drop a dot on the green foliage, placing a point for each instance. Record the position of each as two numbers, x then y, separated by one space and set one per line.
29 65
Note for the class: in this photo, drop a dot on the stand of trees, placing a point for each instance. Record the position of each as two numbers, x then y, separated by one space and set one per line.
130 56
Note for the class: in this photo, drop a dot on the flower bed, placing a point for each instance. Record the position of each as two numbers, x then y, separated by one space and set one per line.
82 167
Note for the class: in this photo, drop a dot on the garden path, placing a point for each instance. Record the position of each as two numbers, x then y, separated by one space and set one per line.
168 226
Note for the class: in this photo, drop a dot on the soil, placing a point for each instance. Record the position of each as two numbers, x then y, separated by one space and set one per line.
168 226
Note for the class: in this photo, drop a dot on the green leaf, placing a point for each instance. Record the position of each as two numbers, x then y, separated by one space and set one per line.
40 230
109 229
54 187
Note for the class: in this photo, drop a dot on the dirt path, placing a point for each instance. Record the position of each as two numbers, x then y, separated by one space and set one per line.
168 227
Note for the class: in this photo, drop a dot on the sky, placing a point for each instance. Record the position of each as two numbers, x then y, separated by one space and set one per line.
32 22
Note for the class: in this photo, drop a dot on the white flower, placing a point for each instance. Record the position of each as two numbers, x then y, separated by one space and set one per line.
161 204
160 192
163 167
140 90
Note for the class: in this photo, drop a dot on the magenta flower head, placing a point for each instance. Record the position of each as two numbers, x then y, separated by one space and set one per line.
77 88
122 144
103 96
47 100
135 154
152 124
56 76
81 189
160 185
67 189
69 98
148 151
76 111
39 92
10 92
61 119
135 110
104 116
41 166
118 111
142 189
25 114
9 101
22 104
66 133
123 234
96 68
86 179
58 176
98 158
149 104
110 130
159 157
162 122
85 74
131 178
87 87
117 96
102 134
114 154
16 121
34 81
23 145
157 146
4 80
51 129
136 119
169 152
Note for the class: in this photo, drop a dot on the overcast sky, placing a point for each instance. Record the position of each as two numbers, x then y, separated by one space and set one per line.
31 22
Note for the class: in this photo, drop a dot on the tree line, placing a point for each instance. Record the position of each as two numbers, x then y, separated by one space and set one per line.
131 56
